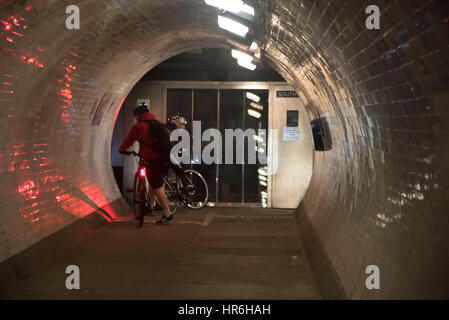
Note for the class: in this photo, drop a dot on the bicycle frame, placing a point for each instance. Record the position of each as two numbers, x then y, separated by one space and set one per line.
171 188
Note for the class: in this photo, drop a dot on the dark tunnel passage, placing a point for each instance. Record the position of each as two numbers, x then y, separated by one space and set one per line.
379 192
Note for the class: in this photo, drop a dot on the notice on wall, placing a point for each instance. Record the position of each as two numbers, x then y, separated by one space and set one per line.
291 131
291 134
292 118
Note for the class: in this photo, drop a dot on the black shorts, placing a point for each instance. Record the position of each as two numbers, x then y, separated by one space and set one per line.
156 171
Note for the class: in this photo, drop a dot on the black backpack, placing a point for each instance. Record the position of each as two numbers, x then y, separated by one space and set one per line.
160 135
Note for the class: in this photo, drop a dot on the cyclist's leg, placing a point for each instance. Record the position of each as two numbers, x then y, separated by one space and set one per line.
167 216
162 199
151 198
157 171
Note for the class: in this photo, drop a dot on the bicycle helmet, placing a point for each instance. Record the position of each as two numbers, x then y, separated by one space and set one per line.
141 108
178 119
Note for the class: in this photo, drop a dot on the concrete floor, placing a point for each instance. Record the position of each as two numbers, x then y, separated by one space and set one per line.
216 253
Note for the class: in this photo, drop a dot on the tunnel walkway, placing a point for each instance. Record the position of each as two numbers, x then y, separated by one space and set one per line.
225 253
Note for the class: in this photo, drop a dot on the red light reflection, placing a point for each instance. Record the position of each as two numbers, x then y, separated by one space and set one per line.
28 190
13 27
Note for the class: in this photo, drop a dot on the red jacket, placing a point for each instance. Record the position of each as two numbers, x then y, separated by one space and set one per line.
141 132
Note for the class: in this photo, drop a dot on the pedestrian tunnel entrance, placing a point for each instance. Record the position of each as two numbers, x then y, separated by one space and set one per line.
238 131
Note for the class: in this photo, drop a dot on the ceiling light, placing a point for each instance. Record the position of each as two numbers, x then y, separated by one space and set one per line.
263 183
248 9
232 26
240 55
252 96
253 46
246 64
262 172
257 138
254 113
234 6
256 106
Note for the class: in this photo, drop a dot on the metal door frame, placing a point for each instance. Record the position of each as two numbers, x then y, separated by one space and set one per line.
215 85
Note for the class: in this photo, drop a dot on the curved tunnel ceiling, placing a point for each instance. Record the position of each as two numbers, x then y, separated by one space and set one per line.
377 196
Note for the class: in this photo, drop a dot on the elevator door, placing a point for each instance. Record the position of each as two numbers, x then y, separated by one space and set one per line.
240 182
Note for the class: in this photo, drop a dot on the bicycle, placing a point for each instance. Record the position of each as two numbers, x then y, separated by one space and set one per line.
189 187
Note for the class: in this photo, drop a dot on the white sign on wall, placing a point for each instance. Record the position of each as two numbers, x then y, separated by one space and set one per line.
291 134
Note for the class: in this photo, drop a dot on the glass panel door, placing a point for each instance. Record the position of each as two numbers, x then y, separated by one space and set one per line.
237 182
205 109
230 182
256 117
180 101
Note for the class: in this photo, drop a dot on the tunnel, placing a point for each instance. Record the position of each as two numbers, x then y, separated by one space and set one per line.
377 194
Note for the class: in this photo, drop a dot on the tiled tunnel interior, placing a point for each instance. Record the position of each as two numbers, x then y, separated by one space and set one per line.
379 191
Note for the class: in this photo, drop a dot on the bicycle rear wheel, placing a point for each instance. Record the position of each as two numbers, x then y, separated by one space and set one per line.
193 189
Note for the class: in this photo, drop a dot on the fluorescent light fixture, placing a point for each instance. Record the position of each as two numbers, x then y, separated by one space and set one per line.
256 105
248 9
257 54
246 64
253 46
252 96
240 55
234 6
254 113
257 138
232 26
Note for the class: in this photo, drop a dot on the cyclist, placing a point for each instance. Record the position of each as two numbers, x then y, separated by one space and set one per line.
178 120
156 167
175 122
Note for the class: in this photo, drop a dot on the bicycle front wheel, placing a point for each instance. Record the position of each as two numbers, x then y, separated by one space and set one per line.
136 196
140 199
193 189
